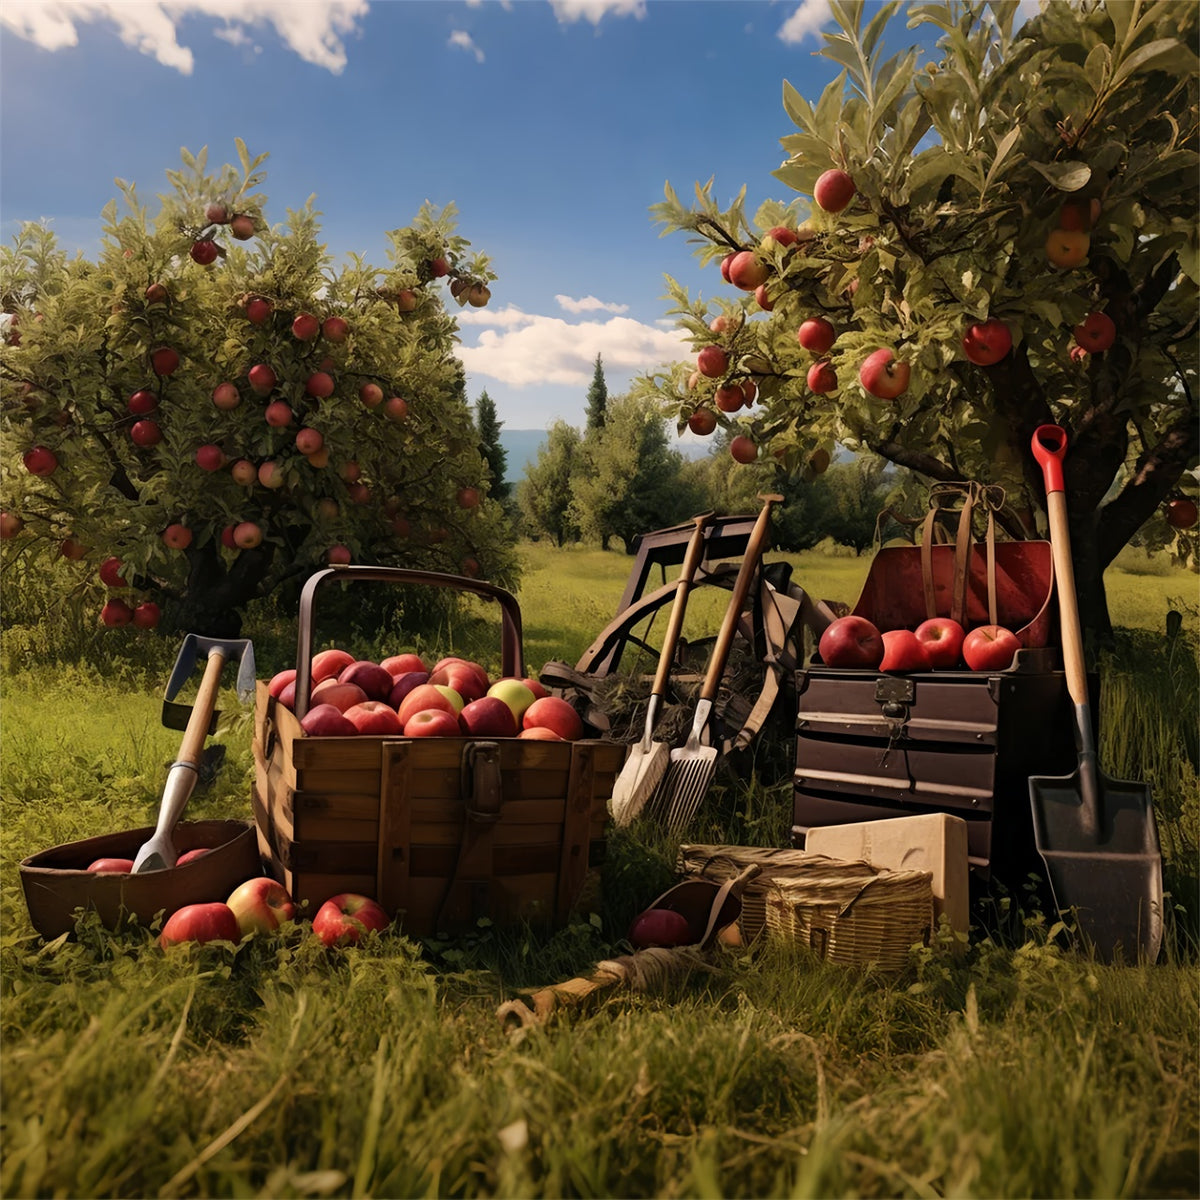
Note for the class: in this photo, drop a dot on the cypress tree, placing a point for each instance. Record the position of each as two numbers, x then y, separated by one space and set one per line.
488 427
597 400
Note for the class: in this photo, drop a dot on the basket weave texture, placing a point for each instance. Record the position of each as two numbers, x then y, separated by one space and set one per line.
847 912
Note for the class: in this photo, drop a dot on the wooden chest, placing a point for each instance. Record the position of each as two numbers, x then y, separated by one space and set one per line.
872 746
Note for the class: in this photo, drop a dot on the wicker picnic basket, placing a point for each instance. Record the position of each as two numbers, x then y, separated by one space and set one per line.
847 912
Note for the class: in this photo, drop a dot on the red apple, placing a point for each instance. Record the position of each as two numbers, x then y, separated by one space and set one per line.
226 396
216 213
729 397
349 471
822 378
242 226
1181 513
942 638
305 327
191 855
309 441
200 923
156 293
280 680
725 264
747 271
1096 333
164 360
244 472
327 720
883 376
424 695
395 408
359 493
404 683
400 664
335 329
539 733
110 573
488 717
278 414
330 663
990 648
987 342
703 421
261 377
227 537
270 475
369 676
343 919
851 642
177 536
535 687
147 615
112 866
40 461
552 712
468 497
257 310
260 905
449 670
143 401
816 334
783 234
371 394
145 433
1067 248
70 547
204 251
762 298
743 449
116 613
904 651
11 525
712 361
833 191
319 384
247 535
660 927
406 300
374 717
439 267
432 722
210 457
338 555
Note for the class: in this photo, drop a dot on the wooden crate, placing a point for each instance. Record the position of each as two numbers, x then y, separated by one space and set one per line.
441 831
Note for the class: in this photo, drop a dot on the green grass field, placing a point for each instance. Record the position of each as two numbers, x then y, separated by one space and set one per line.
278 1069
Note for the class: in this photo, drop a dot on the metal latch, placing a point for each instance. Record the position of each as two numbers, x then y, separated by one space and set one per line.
894 694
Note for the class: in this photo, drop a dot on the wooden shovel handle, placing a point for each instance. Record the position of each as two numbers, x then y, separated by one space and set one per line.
741 589
194 736
1049 448
691 561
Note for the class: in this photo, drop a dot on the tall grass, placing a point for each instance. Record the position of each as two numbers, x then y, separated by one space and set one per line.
276 1068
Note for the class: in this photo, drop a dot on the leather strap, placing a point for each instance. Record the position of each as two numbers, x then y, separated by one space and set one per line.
468 891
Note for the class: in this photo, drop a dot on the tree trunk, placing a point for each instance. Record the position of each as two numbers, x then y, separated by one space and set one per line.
212 603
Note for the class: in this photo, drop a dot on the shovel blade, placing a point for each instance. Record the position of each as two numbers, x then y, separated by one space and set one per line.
1107 866
638 780
685 784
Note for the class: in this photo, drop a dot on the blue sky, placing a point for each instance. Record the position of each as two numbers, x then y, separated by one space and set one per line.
551 124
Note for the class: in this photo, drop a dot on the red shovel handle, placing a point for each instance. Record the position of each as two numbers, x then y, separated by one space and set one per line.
1049 448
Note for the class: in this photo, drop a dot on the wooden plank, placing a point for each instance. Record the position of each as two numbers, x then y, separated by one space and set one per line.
342 781
572 866
319 827
392 866
336 805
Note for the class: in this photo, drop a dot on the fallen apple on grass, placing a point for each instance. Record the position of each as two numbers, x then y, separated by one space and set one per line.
343 919
660 927
200 923
260 905
990 648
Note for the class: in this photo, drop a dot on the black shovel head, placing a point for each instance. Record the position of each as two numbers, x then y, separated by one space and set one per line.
1104 862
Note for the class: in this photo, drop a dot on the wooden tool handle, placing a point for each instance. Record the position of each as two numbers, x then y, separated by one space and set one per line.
691 561
741 589
194 736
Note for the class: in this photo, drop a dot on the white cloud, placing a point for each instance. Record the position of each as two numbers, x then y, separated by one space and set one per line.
549 350
462 39
313 29
589 304
570 11
509 317
807 19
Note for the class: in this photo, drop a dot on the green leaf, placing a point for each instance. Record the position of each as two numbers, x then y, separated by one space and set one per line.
1066 176
874 30
1142 57
797 108
1006 143
829 107
1098 66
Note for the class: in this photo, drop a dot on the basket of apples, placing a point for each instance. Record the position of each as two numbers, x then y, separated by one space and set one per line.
444 793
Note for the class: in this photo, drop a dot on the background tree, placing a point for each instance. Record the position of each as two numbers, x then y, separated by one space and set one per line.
597 400
212 410
488 426
630 479
1040 183
544 495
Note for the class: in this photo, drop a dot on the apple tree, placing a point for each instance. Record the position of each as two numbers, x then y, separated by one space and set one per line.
213 408
1002 233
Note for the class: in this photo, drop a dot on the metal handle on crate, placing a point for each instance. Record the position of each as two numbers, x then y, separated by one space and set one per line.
511 655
